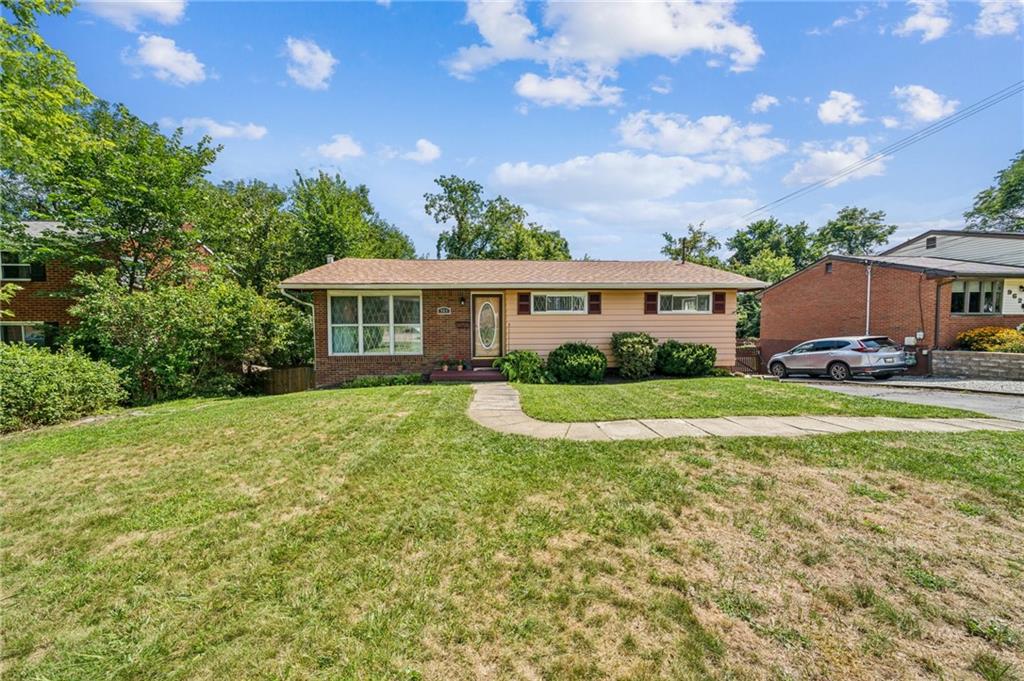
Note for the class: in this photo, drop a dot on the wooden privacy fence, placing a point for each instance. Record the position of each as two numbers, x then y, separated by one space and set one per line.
287 380
748 361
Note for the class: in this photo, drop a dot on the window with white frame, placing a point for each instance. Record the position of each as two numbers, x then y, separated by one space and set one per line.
977 296
12 269
374 323
559 302
31 333
684 302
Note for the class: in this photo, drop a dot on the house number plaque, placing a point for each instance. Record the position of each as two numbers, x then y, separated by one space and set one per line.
444 310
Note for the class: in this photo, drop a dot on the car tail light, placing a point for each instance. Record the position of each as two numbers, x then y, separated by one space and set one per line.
863 348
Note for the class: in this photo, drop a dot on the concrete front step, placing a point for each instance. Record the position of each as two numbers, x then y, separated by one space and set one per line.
466 376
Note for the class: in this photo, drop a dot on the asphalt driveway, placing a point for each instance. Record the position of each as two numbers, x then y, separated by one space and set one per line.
999 406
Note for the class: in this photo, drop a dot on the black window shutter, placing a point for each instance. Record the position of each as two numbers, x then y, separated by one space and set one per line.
38 271
650 302
594 302
718 302
523 303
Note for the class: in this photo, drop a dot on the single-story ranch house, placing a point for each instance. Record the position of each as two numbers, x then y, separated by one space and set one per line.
921 293
378 317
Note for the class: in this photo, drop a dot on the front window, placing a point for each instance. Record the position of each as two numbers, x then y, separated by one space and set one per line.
569 302
30 334
376 324
977 296
11 269
684 303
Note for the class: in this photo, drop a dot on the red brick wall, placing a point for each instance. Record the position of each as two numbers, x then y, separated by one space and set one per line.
443 335
813 304
35 301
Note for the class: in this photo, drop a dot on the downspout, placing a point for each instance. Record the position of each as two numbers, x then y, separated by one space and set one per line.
867 311
312 310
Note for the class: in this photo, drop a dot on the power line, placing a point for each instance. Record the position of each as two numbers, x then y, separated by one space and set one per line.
924 133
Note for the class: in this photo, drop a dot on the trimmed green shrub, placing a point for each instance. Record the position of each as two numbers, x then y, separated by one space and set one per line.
635 352
990 339
39 387
685 359
523 366
577 363
382 381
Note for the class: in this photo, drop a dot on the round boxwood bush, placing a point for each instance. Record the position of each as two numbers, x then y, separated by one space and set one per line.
577 363
39 387
685 359
635 351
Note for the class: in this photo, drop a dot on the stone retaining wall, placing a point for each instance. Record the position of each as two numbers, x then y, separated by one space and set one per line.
1004 366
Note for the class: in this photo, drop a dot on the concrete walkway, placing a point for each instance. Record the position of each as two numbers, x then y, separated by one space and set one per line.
496 406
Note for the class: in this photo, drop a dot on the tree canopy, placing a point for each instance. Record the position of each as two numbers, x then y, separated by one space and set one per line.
853 231
696 245
1001 206
794 241
490 229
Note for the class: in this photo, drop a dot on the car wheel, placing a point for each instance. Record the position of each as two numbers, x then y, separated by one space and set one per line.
778 369
883 377
838 371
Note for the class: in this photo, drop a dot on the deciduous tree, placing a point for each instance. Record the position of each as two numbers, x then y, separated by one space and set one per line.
1001 206
697 245
853 231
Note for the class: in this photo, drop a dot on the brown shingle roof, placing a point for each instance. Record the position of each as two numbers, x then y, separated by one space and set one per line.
367 272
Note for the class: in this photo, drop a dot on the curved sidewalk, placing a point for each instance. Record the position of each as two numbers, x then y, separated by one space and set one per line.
496 406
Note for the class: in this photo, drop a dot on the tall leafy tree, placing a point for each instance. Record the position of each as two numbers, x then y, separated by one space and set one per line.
249 229
494 229
768 267
1001 206
125 202
853 231
696 245
335 218
794 241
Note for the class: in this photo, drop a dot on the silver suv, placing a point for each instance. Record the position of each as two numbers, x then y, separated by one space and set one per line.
841 357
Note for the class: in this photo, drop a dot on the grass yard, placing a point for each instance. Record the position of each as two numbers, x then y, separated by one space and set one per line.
704 398
378 533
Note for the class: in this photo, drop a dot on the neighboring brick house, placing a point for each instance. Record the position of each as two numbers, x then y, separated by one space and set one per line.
374 317
921 293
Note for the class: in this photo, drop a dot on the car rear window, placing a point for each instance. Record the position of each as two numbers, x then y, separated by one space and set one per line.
879 343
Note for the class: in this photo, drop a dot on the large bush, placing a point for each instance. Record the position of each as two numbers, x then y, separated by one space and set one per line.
39 387
178 341
523 366
635 352
577 363
991 339
685 359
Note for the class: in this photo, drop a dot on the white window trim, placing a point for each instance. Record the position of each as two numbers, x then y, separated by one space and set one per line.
358 294
582 294
14 264
23 325
709 294
996 300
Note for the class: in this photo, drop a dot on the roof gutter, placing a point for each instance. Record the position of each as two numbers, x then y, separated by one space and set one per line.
570 286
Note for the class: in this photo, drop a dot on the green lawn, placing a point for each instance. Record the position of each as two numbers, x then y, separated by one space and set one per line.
705 397
379 533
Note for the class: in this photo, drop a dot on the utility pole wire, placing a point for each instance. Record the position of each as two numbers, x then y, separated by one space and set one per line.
924 133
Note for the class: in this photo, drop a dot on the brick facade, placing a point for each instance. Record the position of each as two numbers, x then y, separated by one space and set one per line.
815 304
443 335
36 302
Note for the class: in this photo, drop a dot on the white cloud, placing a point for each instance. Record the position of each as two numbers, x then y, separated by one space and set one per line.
717 137
608 176
763 102
340 147
999 17
309 65
568 91
858 15
820 162
425 152
841 107
129 14
890 122
593 38
662 85
218 130
930 19
167 61
923 105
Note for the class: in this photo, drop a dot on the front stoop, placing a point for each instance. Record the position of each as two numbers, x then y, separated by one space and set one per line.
474 376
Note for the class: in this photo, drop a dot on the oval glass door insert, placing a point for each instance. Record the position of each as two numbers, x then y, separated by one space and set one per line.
487 326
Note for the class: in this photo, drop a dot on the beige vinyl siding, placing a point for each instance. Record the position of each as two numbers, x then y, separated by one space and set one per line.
620 311
993 249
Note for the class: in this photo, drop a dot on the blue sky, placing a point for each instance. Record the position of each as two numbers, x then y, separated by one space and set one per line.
611 122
